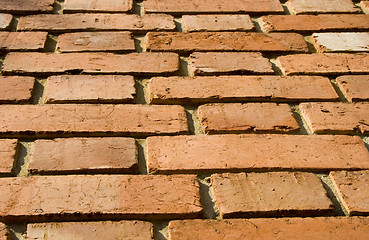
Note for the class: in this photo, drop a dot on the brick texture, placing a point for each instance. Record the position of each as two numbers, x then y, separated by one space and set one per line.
195 23
22 41
5 20
321 6
365 5
8 153
98 5
16 89
26 6
4 232
355 88
341 42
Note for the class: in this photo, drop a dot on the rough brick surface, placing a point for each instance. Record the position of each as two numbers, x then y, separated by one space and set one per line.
194 23
84 155
42 63
355 88
16 89
179 90
341 42
8 152
270 194
80 197
26 6
4 232
90 88
95 41
5 20
22 41
238 117
255 152
353 189
322 6
98 5
68 119
225 41
336 117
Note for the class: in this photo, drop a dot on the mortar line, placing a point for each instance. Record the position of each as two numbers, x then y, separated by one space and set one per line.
58 7
141 144
207 198
140 42
184 66
142 93
193 120
304 127
338 90
22 161
14 23
179 24
257 26
18 231
161 231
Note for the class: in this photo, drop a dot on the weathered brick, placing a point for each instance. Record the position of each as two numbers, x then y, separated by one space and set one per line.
95 41
5 20
211 63
90 88
26 6
181 90
355 87
225 41
4 232
93 22
87 120
16 89
92 197
8 153
22 41
322 6
194 23
270 194
341 42
84 155
337 117
320 228
353 189
250 117
329 63
49 63
250 152
98 5
365 5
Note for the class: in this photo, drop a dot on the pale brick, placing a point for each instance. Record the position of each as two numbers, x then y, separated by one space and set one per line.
22 41
322 6
98 5
16 89
341 42
365 5
26 6
5 20
4 232
194 23
354 87
8 153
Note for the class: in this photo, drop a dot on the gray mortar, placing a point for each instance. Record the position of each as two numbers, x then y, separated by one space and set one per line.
193 120
207 198
51 42
275 66
23 159
142 156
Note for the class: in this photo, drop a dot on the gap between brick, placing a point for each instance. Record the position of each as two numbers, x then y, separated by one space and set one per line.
142 156
193 120
304 127
23 158
341 96
207 198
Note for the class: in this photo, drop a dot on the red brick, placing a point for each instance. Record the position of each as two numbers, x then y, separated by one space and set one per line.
16 89
4 232
271 228
341 42
49 63
225 41
319 6
337 117
22 41
98 5
194 23
94 22
92 197
355 88
211 63
8 153
95 41
270 194
84 155
250 152
182 90
329 63
353 189
26 6
209 6
90 88
5 20
87 120
250 117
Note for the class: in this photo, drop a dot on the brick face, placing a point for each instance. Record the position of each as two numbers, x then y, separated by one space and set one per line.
16 89
26 6
98 6
22 41
8 153
5 20
195 23
341 42
355 88
321 6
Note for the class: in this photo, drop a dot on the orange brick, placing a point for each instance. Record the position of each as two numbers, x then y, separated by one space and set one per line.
16 89
319 6
98 5
234 22
8 153
22 41
4 232
355 88
341 42
5 20
26 6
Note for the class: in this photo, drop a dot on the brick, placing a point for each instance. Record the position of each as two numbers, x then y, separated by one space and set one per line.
320 228
321 6
90 88
250 117
22 41
87 120
211 63
341 42
95 22
93 197
336 117
209 6
183 90
16 89
8 153
84 155
50 63
365 5
98 5
327 64
250 152
5 20
355 88
4 232
95 41
270 194
353 190
225 41
315 23
195 23
26 6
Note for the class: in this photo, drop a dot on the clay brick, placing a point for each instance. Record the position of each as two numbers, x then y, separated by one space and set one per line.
182 90
16 89
95 22
322 6
341 42
98 5
250 152
336 117
225 41
90 88
250 117
22 41
315 23
87 120
270 194
92 197
95 41
4 232
210 6
211 63
50 63
84 155
320 228
353 189
355 88
194 23
8 153
26 6
5 20
327 64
